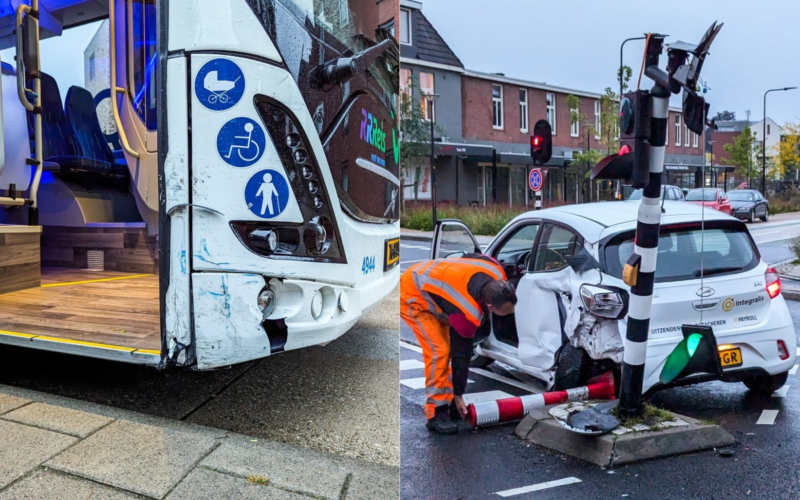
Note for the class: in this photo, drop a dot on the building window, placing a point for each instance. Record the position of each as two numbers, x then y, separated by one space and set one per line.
597 113
677 130
686 137
497 107
523 110
426 87
768 132
551 111
574 127
405 87
694 140
405 26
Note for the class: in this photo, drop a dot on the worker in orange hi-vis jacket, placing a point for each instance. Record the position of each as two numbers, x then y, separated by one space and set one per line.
445 302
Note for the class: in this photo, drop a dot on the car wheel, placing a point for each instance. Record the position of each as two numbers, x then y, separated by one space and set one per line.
766 216
751 217
478 361
766 384
569 367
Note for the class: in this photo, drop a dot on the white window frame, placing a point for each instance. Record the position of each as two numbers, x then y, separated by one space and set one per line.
678 131
551 108
574 127
407 14
694 140
426 102
405 90
597 124
686 136
523 111
497 108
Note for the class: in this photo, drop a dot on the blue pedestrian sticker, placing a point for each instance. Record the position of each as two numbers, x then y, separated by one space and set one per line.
241 142
219 84
267 194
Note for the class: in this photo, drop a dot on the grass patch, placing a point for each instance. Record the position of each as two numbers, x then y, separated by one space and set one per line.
651 416
260 480
706 422
794 246
488 220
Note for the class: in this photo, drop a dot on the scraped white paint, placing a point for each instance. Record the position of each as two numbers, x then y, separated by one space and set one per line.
538 487
767 417
479 397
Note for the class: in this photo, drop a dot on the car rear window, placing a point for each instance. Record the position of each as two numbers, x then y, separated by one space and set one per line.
724 247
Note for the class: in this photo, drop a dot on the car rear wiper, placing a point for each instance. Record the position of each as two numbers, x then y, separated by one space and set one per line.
716 270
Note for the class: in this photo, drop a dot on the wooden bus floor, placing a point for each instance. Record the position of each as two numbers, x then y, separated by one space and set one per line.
108 307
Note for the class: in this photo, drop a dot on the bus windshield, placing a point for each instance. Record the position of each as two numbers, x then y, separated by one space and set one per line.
356 120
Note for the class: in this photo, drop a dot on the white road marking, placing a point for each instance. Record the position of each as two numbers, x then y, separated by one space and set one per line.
419 382
538 487
505 380
415 247
767 417
798 351
411 346
780 393
762 233
411 364
793 370
478 397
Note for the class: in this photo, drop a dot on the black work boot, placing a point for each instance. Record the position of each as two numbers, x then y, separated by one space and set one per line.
441 422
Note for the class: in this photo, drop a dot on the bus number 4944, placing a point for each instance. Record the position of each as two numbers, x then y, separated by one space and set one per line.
368 265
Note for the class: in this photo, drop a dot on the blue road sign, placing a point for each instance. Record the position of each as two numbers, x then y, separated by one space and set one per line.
241 142
535 179
219 85
267 193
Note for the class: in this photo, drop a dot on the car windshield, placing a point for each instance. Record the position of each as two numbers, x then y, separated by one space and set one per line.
723 248
740 196
702 195
637 195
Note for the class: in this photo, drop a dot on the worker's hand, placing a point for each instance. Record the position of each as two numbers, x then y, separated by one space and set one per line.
461 406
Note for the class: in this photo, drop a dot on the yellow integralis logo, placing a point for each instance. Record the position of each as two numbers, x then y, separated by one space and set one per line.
728 304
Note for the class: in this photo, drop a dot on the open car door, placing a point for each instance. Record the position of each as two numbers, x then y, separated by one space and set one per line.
452 238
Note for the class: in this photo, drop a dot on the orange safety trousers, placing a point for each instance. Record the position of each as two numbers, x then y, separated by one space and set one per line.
433 336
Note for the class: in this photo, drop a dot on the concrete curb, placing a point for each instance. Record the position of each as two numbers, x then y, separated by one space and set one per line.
611 450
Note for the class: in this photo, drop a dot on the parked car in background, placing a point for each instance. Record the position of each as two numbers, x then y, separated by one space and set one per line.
748 204
673 193
711 198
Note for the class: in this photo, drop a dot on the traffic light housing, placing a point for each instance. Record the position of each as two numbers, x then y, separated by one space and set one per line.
541 142
632 163
696 353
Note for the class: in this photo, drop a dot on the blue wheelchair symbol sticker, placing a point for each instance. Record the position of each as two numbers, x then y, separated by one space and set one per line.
267 194
241 142
219 85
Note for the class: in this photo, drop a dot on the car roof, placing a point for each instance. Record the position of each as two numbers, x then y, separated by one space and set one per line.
595 221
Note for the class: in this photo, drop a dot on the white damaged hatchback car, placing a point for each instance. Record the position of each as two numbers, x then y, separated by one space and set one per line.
570 319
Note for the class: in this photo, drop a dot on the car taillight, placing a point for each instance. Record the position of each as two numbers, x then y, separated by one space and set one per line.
783 352
773 282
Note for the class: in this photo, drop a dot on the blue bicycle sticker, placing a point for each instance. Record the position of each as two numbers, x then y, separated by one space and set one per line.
241 142
219 85
267 194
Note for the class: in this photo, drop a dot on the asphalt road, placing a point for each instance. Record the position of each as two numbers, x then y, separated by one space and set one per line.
480 464
341 398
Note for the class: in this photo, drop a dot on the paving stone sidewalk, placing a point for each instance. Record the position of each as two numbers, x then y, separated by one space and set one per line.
57 448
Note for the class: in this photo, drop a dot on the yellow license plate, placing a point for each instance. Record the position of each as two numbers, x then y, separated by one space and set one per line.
391 254
731 357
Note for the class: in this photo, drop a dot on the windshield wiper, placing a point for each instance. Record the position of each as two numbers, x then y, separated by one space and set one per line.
717 270
344 68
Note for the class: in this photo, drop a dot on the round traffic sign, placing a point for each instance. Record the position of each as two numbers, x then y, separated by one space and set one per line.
535 179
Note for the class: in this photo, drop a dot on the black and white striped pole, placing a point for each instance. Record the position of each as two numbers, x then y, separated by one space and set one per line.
640 162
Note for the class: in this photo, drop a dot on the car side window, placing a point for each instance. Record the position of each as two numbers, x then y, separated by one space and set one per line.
555 245
514 254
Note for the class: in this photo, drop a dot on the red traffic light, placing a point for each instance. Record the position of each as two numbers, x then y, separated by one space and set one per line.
536 141
625 149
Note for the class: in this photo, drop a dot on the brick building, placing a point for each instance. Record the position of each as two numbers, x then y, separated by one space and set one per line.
483 155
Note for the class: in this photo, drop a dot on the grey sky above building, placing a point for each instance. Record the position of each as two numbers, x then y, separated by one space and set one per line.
575 44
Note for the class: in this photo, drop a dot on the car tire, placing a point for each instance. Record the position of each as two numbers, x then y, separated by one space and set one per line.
569 368
478 361
766 216
766 384
751 217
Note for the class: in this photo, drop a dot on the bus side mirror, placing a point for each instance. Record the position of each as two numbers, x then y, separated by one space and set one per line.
30 47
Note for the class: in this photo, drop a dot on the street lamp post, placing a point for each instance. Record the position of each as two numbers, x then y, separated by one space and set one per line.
764 140
431 98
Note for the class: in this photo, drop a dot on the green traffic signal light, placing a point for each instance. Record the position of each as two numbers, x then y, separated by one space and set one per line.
692 355
692 342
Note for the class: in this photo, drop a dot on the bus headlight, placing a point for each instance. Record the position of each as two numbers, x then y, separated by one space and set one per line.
316 236
265 239
266 302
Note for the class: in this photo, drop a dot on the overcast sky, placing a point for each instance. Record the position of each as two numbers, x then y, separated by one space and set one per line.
575 43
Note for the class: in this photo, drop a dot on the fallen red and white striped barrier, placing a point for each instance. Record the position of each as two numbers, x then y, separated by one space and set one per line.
511 409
